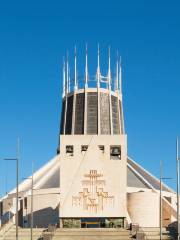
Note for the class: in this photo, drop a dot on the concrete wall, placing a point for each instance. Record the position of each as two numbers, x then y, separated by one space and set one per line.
143 208
45 208
73 175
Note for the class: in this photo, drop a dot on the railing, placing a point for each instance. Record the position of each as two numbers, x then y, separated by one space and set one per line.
92 83
49 232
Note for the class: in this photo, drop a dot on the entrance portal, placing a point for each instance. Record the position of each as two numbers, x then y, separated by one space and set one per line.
93 222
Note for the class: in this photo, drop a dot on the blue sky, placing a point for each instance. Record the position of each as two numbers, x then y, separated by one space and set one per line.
34 37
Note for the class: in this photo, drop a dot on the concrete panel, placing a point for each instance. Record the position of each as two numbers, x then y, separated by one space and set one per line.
143 208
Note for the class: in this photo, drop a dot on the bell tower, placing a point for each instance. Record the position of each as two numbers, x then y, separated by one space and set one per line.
93 148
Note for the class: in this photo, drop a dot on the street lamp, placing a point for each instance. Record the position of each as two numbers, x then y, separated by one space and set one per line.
177 180
160 203
17 183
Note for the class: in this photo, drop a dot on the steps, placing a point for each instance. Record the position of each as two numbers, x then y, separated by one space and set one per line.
154 233
23 233
91 234
86 234
5 228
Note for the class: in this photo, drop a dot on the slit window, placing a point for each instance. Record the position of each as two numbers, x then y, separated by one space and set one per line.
25 203
1 208
69 150
84 148
101 148
115 152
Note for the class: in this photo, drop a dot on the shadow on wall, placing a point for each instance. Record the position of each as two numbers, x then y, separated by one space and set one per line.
172 228
44 217
6 217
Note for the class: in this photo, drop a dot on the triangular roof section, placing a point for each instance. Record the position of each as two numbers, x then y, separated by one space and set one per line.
146 177
48 176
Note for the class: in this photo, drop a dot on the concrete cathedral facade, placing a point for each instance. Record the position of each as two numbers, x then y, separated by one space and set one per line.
91 182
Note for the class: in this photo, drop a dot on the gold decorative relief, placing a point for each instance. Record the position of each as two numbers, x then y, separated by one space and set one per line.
93 198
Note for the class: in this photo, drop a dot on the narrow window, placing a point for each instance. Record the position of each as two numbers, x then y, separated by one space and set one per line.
69 150
21 204
84 148
1 208
25 203
115 152
101 148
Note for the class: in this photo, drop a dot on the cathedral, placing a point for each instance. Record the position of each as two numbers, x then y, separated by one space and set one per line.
91 181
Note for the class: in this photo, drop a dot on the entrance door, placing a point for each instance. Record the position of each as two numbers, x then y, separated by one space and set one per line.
92 222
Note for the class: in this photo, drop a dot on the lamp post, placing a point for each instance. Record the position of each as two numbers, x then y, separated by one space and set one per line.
160 203
177 180
17 183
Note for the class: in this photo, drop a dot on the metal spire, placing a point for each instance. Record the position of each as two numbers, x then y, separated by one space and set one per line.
98 92
67 74
64 79
69 82
117 72
86 70
98 68
75 70
109 69
120 76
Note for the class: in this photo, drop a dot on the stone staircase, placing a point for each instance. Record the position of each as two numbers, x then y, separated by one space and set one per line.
154 233
84 234
5 228
91 234
23 233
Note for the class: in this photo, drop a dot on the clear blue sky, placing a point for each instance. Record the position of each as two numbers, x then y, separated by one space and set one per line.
34 36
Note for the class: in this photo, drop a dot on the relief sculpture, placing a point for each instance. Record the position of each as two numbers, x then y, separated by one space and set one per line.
93 198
